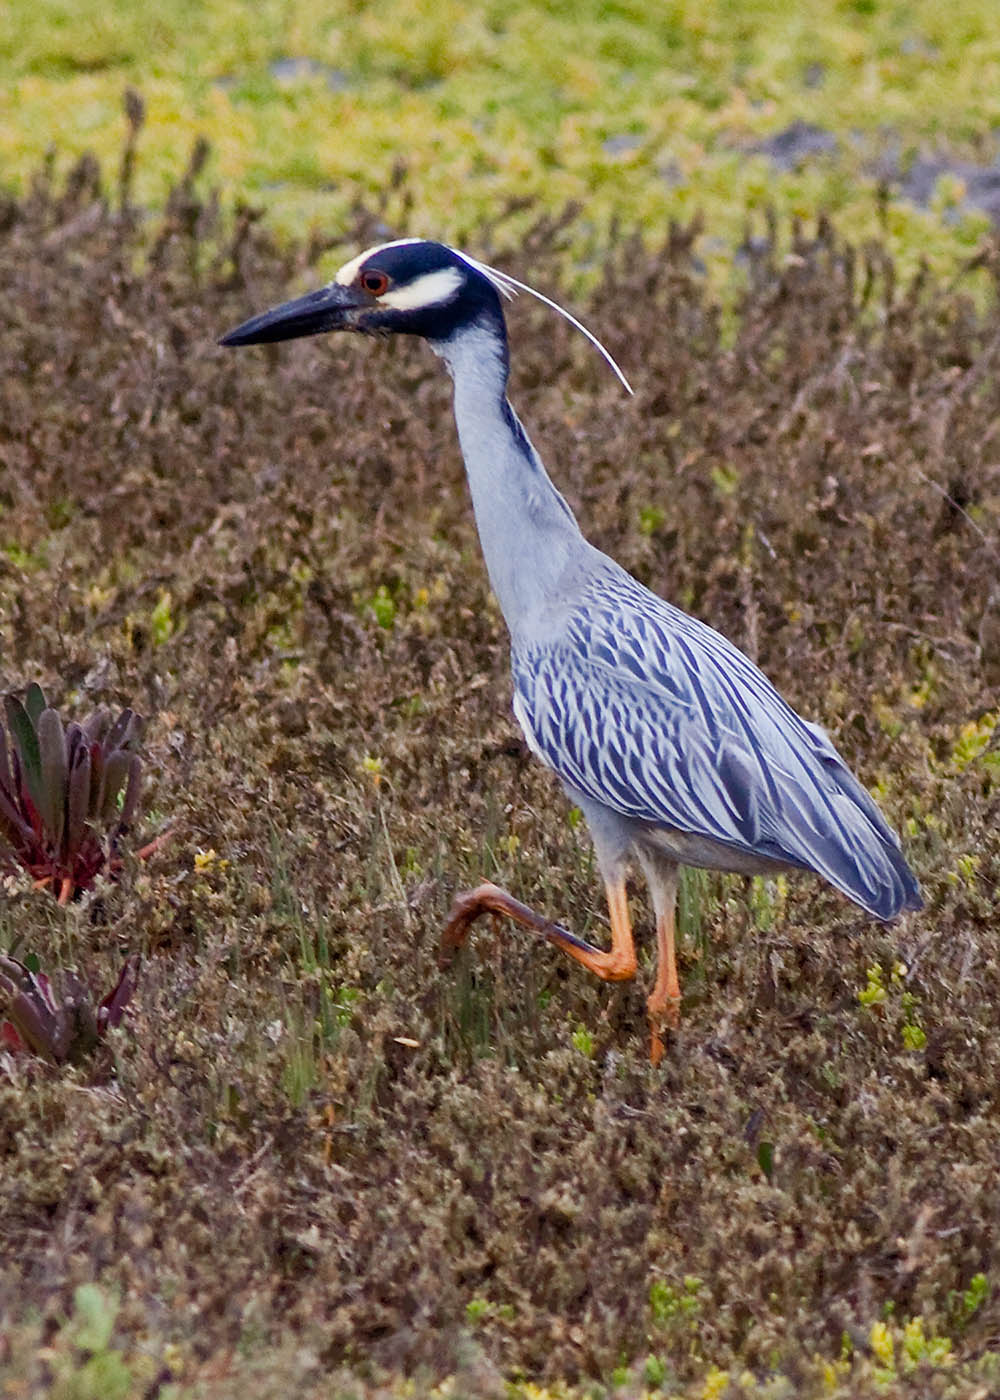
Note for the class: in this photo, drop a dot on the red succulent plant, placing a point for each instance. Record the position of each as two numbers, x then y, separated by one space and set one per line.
67 793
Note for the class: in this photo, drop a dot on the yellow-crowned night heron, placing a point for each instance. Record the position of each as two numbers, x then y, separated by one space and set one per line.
672 743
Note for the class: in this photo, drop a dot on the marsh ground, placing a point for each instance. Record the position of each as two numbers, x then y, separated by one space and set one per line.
310 1154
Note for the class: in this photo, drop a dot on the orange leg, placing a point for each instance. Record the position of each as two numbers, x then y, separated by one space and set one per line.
616 966
663 1005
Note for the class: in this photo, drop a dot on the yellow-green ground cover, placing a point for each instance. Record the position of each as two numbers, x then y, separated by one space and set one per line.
642 111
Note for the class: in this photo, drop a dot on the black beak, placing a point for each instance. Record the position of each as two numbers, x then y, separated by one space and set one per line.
329 309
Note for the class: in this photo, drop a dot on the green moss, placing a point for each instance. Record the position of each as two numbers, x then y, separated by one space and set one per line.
975 742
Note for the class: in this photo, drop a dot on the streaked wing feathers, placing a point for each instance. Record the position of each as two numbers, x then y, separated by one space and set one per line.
657 716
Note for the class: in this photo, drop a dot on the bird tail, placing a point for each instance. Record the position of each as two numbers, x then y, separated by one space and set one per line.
861 855
871 869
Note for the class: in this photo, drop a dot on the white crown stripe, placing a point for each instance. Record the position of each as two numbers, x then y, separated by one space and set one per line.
350 270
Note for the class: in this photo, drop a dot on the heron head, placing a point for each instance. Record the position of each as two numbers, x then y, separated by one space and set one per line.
411 287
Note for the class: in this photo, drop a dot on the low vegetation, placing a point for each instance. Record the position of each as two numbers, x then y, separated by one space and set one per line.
63 1028
883 114
308 1162
67 794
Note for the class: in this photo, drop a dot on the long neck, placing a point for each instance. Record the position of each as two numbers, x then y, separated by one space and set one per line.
527 531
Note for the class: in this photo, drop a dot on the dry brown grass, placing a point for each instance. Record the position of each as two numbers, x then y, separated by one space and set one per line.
260 1162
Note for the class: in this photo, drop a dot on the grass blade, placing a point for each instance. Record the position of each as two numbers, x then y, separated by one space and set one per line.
119 730
115 772
96 779
34 701
52 750
26 745
77 802
96 725
112 1007
74 738
131 799
11 817
6 777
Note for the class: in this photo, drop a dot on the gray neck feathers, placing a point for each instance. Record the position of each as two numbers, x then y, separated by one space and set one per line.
528 533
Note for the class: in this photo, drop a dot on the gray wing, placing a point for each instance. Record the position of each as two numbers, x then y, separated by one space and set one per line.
658 717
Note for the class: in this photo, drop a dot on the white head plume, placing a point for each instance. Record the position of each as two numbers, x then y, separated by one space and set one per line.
509 287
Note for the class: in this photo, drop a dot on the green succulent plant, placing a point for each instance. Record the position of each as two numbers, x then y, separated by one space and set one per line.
59 1029
67 793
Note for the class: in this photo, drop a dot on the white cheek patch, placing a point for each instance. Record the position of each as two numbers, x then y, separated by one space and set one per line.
347 274
432 289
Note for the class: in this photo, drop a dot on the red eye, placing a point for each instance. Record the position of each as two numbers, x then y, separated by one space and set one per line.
374 282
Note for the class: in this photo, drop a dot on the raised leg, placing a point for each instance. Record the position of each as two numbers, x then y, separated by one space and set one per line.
618 965
663 1005
470 905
